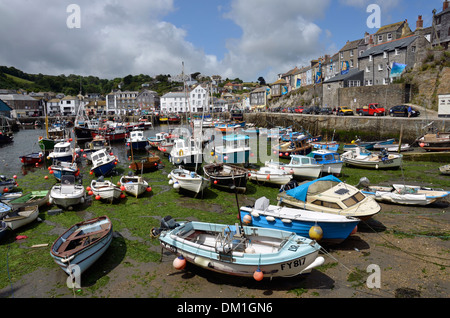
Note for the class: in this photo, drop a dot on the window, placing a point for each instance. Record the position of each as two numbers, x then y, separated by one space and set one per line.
385 54
413 49
351 53
370 58
326 204
342 55
397 52
380 67
369 82
354 83
389 36
367 69
351 63
380 38
357 197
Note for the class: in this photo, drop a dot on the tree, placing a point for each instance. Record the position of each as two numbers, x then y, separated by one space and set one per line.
261 80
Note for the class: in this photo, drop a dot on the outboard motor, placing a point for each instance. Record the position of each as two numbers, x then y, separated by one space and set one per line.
363 183
290 185
167 223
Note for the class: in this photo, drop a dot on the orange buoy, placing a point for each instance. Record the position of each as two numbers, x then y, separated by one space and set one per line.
247 219
179 262
258 275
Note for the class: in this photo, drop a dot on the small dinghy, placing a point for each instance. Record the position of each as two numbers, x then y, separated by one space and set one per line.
82 244
39 198
32 158
21 216
225 176
134 185
67 194
105 189
239 251
270 175
188 180
362 158
335 228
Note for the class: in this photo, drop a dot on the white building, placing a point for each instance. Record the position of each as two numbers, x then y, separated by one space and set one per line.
53 106
175 102
69 106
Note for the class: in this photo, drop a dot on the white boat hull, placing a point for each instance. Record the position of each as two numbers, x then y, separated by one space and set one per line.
181 178
22 218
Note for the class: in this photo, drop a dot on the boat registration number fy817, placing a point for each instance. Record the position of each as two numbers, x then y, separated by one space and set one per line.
293 264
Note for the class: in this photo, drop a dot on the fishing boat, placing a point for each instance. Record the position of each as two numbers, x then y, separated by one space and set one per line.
4 210
395 147
137 141
270 175
329 195
6 132
445 169
21 216
134 185
229 126
84 128
103 162
63 168
62 151
362 158
67 193
186 152
146 163
296 146
157 139
403 194
7 184
302 167
330 160
38 198
239 251
111 134
104 189
326 145
96 144
335 228
82 245
174 119
187 180
235 148
368 145
167 144
435 142
163 118
226 176
32 158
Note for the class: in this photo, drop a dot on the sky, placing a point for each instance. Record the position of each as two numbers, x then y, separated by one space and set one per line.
244 39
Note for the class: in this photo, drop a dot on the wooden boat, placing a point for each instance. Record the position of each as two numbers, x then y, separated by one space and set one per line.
239 251
235 149
82 245
8 196
330 160
330 195
63 168
134 185
302 167
403 194
39 198
445 169
226 176
362 158
32 158
137 141
336 228
149 162
7 184
67 193
103 162
296 146
105 189
21 216
187 180
434 142
270 175
4 210
62 151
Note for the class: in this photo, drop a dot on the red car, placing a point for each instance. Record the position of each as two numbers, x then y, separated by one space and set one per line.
299 110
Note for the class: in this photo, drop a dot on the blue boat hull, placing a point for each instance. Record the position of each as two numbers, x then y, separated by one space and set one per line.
139 145
104 170
332 232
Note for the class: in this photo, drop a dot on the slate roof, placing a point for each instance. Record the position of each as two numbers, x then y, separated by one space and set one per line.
389 46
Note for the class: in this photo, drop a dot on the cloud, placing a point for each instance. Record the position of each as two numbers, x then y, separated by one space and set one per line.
118 38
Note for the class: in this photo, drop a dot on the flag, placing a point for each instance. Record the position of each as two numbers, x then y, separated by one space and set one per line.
397 69
345 67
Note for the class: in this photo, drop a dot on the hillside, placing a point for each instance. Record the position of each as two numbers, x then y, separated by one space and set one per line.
12 78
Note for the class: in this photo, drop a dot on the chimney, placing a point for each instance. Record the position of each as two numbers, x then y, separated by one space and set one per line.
445 5
419 23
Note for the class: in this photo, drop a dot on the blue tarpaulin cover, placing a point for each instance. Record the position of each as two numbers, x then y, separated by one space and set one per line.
300 192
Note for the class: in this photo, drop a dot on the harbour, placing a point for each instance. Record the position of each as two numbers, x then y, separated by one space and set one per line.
398 239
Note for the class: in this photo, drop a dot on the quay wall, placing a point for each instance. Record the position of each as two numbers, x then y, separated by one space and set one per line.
348 128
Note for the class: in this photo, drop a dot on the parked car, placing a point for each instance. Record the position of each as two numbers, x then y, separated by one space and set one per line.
299 109
402 111
373 109
344 111
325 111
313 110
